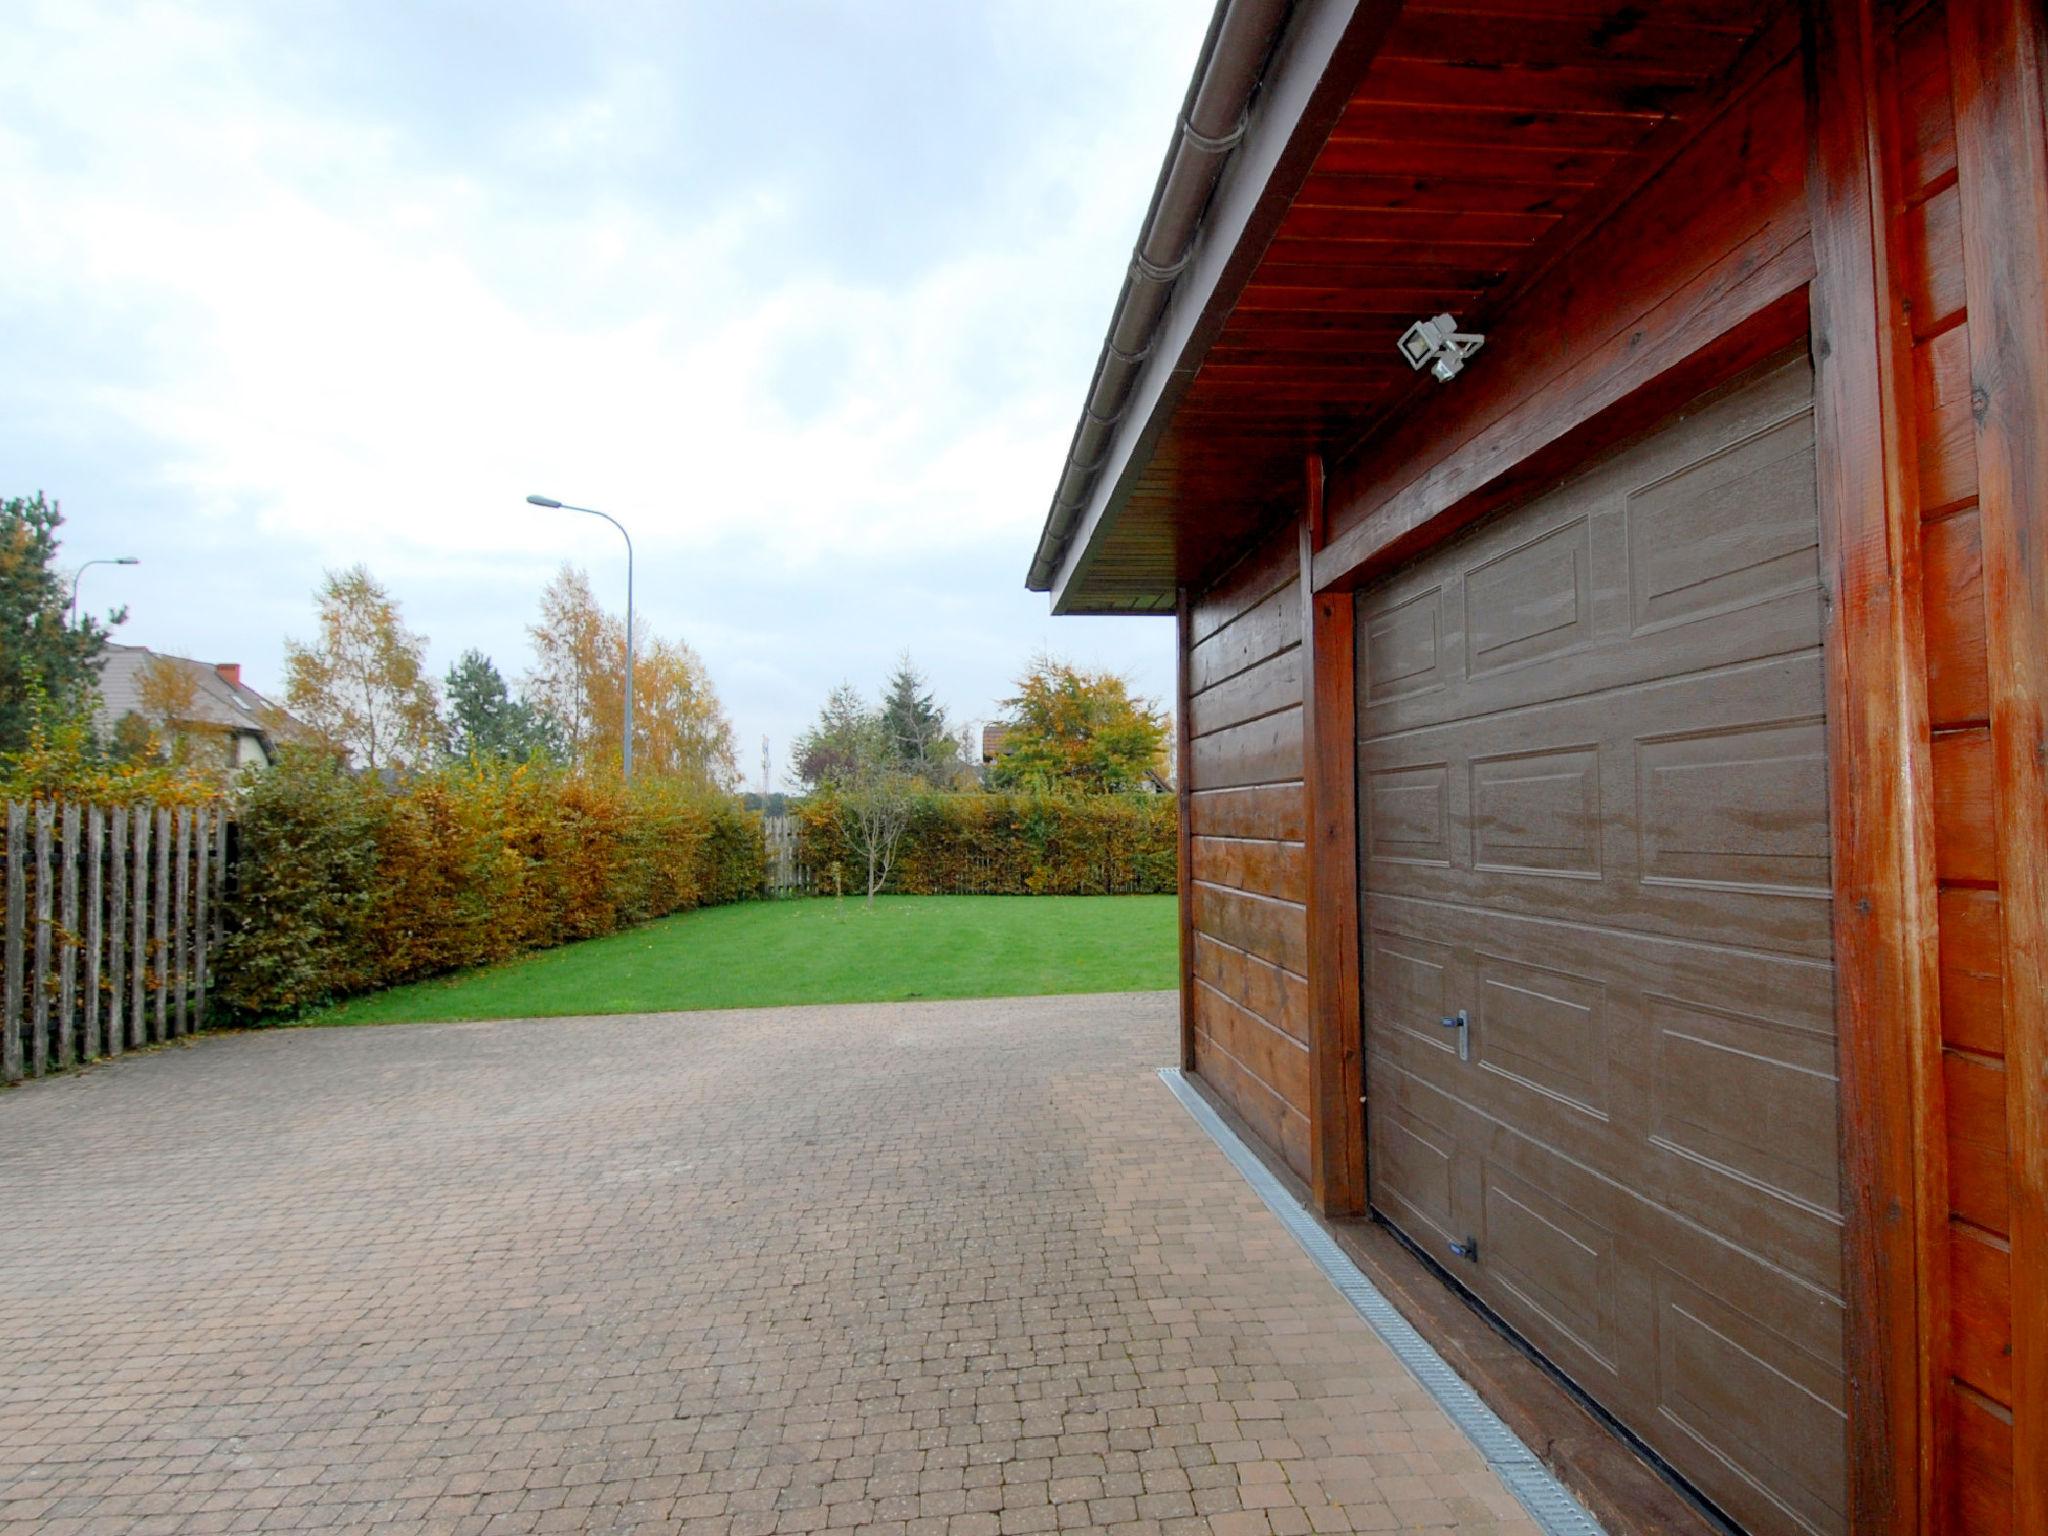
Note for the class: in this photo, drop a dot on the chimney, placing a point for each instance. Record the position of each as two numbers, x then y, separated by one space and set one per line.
230 672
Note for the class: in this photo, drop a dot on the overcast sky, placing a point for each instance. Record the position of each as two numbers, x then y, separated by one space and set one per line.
806 293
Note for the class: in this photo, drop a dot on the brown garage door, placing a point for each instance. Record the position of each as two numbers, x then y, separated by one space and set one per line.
1592 788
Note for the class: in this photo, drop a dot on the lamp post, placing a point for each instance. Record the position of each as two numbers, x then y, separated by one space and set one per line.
563 506
114 560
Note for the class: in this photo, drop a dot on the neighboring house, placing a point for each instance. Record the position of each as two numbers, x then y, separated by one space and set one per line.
1618 779
994 744
206 702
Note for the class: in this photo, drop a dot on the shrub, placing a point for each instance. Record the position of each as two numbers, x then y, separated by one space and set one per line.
1020 845
345 885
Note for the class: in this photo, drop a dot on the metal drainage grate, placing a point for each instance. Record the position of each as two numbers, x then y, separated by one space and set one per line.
1552 1508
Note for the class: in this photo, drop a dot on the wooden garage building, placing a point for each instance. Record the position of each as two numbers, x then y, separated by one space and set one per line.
1614 777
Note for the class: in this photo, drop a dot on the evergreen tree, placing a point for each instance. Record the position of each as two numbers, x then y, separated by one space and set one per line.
919 735
47 663
485 721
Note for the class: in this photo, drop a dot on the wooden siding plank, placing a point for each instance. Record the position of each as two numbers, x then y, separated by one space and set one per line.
1271 811
1982 1288
1269 685
1978 1151
1965 810
1958 678
1972 971
1999 56
1262 751
1982 1505
1274 930
1946 436
1264 630
1926 121
1256 865
1932 235
1276 1058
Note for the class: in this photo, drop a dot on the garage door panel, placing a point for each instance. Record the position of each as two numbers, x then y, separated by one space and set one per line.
1695 807
1674 555
1593 816
1750 1097
1733 1387
1547 1029
1560 1264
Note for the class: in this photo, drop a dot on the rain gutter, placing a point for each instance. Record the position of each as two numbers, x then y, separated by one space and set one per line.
1270 82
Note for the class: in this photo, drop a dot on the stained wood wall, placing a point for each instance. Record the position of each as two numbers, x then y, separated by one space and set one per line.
1924 195
1246 860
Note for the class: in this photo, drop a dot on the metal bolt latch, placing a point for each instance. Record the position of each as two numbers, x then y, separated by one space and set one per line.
1467 1250
1461 1024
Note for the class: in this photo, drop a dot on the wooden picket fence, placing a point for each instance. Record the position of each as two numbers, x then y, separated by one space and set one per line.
787 874
112 919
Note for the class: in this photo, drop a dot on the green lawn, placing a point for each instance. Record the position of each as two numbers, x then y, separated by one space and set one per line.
768 953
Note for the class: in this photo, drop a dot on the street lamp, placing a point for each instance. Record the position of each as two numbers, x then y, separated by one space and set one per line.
563 506
115 560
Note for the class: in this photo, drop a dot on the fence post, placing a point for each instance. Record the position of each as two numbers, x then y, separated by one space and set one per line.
95 922
138 944
201 931
67 941
17 900
162 968
39 997
117 930
181 913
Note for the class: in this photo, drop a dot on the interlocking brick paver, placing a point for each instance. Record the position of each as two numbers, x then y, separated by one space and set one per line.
954 1269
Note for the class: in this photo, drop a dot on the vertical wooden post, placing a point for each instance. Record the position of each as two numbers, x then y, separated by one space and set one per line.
181 919
1880 810
161 957
2000 52
202 932
138 943
117 932
1183 789
67 941
39 995
1336 1060
17 916
220 880
95 925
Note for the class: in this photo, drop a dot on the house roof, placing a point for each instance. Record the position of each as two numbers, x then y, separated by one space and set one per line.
1392 162
217 698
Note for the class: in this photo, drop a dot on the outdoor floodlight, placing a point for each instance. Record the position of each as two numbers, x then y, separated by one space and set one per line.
1440 346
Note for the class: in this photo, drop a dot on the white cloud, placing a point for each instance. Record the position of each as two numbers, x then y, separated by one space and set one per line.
307 341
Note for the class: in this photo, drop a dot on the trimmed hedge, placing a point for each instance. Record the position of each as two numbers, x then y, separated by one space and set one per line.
344 885
1009 845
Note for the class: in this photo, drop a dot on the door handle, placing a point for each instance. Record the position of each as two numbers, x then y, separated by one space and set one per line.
1468 1250
1462 1025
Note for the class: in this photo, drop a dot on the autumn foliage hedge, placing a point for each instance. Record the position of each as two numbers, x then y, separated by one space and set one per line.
1008 845
344 884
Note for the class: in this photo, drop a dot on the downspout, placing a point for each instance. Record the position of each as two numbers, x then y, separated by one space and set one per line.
1212 122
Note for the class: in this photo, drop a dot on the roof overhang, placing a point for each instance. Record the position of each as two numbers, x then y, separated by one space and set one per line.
1393 162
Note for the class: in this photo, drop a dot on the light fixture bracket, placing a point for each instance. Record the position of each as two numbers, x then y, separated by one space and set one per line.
1438 345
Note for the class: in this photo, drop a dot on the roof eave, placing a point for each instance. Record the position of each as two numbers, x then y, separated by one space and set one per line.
1296 98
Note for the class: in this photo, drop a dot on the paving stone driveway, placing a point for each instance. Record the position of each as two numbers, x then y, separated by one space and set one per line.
951 1269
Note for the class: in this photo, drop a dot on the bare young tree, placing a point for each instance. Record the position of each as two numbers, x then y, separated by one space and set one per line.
876 804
